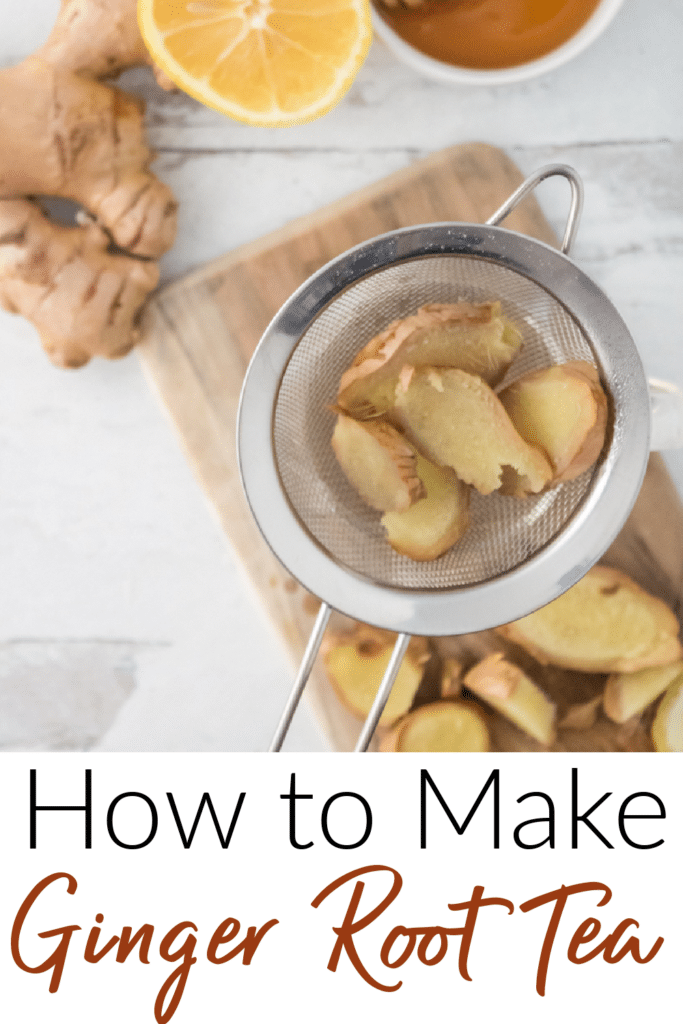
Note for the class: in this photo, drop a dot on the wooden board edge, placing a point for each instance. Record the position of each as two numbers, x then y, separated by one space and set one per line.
346 203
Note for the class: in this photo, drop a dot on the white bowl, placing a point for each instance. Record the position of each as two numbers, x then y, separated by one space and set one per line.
432 68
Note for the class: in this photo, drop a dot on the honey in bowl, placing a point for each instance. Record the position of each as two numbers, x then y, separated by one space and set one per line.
488 33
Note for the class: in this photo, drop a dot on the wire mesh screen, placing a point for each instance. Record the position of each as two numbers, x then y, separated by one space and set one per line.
504 531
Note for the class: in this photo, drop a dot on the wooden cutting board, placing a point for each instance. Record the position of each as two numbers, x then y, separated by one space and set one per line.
200 332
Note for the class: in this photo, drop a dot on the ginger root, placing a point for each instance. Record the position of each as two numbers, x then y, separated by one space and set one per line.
441 727
454 419
379 463
80 139
604 623
554 690
356 662
435 522
511 692
627 694
112 24
563 411
667 728
473 337
419 422
450 683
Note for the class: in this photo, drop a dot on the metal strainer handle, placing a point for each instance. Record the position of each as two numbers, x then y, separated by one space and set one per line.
315 639
312 648
549 171
305 668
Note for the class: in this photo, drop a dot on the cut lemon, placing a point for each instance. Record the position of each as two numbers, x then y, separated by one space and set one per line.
264 62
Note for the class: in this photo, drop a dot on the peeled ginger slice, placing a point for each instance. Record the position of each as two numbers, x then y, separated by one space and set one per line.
378 462
667 728
450 683
628 693
604 623
475 337
563 411
454 419
443 726
356 664
507 689
435 522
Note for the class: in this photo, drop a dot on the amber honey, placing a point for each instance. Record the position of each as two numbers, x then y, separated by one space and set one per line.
489 33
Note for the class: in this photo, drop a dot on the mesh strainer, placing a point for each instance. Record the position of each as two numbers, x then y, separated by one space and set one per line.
517 554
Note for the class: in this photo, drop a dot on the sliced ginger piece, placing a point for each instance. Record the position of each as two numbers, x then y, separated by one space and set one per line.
356 664
450 684
379 463
434 523
508 690
473 337
563 411
443 726
604 623
628 693
582 716
667 728
456 420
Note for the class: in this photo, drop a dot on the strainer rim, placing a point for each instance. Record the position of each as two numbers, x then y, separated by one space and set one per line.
549 571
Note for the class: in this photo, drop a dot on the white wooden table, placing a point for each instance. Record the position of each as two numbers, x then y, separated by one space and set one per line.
124 623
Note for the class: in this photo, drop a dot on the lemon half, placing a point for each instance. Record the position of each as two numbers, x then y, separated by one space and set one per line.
263 62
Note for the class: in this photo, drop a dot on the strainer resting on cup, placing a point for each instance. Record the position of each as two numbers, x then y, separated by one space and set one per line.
517 554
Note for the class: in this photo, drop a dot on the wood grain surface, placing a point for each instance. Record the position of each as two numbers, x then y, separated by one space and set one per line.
200 332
